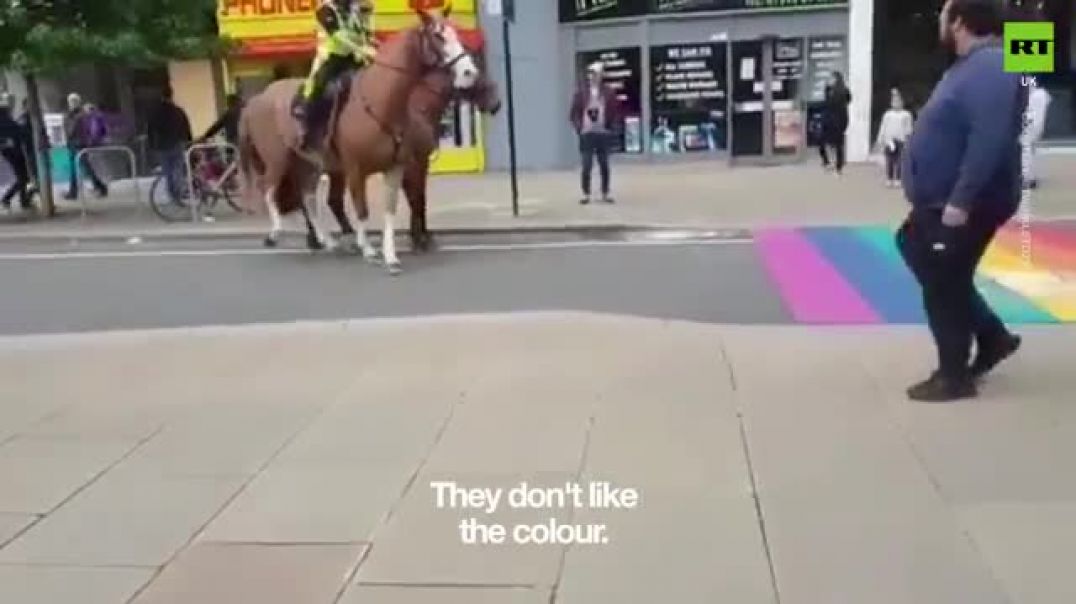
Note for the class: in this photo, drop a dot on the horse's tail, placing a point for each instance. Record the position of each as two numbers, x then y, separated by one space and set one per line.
250 163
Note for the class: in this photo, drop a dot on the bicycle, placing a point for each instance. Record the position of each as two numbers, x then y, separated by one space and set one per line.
214 180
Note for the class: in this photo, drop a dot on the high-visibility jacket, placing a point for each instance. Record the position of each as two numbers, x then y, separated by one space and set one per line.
344 34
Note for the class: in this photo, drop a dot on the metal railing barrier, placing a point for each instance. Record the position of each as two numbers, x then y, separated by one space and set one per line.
77 168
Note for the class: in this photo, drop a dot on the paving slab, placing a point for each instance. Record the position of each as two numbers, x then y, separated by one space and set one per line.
13 524
210 573
313 502
836 474
205 445
1028 545
105 420
123 519
64 584
684 544
414 594
367 428
38 474
421 544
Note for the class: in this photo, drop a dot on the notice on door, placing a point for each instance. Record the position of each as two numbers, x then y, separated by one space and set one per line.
747 69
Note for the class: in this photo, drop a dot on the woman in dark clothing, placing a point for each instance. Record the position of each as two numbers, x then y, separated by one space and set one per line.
12 149
29 149
835 120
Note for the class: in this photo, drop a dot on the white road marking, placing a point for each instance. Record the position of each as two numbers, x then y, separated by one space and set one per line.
292 252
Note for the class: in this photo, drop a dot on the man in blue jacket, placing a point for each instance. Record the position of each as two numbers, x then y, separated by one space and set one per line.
962 178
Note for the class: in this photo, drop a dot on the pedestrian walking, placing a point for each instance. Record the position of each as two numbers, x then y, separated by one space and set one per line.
1038 106
835 121
594 114
78 125
169 133
30 147
962 178
893 134
12 148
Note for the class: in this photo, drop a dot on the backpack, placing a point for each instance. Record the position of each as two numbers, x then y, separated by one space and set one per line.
96 129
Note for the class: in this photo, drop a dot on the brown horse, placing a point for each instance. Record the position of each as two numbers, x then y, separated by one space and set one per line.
427 105
365 134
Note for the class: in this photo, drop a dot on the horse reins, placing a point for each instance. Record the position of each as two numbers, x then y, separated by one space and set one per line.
397 137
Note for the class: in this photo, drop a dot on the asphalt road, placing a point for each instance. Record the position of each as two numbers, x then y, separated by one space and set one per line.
59 287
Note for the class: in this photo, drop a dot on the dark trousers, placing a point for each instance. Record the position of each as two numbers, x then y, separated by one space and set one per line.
173 166
892 160
88 172
593 146
838 148
21 171
944 260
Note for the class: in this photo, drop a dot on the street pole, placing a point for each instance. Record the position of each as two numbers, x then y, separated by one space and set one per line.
506 20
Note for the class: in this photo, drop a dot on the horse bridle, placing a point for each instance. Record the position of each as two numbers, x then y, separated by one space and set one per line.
440 64
397 137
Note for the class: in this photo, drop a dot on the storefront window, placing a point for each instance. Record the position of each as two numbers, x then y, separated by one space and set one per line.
458 126
688 98
788 113
622 74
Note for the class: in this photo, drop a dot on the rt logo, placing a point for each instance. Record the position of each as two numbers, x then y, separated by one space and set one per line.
1029 47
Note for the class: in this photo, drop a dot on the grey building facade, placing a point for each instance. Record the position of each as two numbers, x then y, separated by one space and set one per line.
732 84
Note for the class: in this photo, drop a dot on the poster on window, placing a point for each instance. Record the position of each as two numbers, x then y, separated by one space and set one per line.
788 130
824 56
621 69
591 10
689 98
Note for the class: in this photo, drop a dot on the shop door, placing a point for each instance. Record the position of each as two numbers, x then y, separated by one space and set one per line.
748 87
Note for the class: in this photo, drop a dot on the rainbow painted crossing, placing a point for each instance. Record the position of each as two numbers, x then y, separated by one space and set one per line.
855 275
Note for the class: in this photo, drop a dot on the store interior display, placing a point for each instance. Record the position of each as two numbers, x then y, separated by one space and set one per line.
689 98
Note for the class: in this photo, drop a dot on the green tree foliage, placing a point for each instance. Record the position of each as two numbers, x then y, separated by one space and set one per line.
43 37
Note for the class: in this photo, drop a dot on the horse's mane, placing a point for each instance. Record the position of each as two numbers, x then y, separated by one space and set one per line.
408 39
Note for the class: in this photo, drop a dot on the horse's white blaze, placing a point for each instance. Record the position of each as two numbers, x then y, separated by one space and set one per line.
464 69
393 183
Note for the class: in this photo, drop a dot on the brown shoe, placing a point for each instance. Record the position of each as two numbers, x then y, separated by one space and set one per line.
991 356
940 388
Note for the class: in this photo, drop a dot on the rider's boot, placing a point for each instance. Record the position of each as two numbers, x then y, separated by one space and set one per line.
302 112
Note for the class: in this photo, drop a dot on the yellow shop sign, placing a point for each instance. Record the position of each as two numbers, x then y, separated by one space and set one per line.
243 19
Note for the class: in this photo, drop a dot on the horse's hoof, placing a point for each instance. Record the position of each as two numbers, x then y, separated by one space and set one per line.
314 244
269 242
394 269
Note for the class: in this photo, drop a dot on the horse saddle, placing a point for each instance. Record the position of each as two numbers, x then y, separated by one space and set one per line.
323 112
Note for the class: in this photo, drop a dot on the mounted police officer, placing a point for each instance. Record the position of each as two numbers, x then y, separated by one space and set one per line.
345 42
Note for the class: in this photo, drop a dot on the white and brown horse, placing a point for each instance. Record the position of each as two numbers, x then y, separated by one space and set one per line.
428 103
365 136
